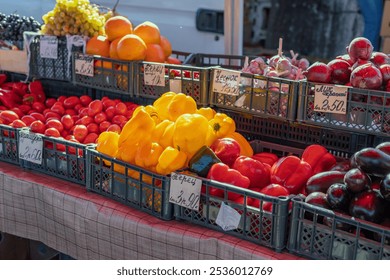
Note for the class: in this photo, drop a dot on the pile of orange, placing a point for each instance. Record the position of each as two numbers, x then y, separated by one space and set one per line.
122 41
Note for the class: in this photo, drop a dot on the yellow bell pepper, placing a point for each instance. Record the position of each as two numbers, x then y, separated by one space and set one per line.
171 159
245 147
126 153
152 111
207 112
211 136
166 138
159 130
222 125
107 143
138 128
181 104
147 155
161 104
190 133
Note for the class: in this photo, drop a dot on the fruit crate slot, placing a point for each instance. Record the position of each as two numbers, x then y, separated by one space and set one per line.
56 89
9 150
109 74
61 159
319 233
129 184
264 219
367 111
192 81
260 95
59 68
99 94
234 62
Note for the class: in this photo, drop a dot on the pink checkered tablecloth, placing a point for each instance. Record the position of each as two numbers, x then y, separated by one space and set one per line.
85 225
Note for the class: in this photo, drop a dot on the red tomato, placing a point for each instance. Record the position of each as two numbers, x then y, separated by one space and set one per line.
52 132
95 107
78 107
8 116
100 117
80 131
61 98
50 102
38 127
28 119
18 124
91 138
103 126
70 112
64 133
59 109
83 112
93 127
18 112
120 108
38 116
71 102
53 115
119 120
56 124
86 120
108 103
2 108
38 106
114 128
110 112
25 108
67 121
75 118
85 100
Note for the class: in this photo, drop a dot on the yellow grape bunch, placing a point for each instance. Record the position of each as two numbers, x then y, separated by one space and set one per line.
73 17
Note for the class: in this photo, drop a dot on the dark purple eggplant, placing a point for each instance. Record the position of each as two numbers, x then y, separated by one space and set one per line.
316 199
356 180
338 196
384 187
384 147
373 161
320 182
342 166
368 205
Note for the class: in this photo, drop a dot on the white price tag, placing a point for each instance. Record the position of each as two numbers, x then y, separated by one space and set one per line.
226 81
175 86
154 75
84 65
30 147
228 218
330 99
185 191
48 47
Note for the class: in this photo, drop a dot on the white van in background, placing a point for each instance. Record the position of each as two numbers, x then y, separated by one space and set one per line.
201 26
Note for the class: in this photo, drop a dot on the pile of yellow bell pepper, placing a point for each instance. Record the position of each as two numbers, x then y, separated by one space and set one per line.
164 136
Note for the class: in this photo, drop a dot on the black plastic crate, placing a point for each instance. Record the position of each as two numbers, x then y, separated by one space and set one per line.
129 184
9 149
236 62
62 159
192 81
367 111
99 94
268 228
310 238
56 69
55 89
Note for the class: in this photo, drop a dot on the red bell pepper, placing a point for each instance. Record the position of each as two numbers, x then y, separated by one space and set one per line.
265 157
36 88
292 173
7 99
222 173
257 172
319 158
3 78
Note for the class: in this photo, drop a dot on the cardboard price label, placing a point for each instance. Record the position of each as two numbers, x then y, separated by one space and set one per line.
48 47
185 191
226 81
84 65
30 147
154 75
330 99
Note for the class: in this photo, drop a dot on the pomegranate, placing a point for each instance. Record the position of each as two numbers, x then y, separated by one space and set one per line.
318 72
360 62
360 48
340 71
366 76
346 57
379 58
385 70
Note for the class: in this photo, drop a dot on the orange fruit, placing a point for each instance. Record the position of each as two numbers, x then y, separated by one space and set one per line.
149 32
173 60
131 47
98 45
117 26
113 48
154 53
166 45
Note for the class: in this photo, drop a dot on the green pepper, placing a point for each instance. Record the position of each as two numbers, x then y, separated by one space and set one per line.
202 161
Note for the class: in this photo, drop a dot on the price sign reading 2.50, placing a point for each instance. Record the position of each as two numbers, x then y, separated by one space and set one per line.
330 99
185 190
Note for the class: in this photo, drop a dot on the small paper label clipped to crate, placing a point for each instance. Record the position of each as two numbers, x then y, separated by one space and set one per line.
228 218
30 147
84 65
48 47
185 191
226 81
330 99
154 75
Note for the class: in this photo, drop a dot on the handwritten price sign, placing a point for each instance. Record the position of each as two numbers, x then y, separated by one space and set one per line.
154 75
48 47
185 191
84 65
226 81
30 147
330 99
